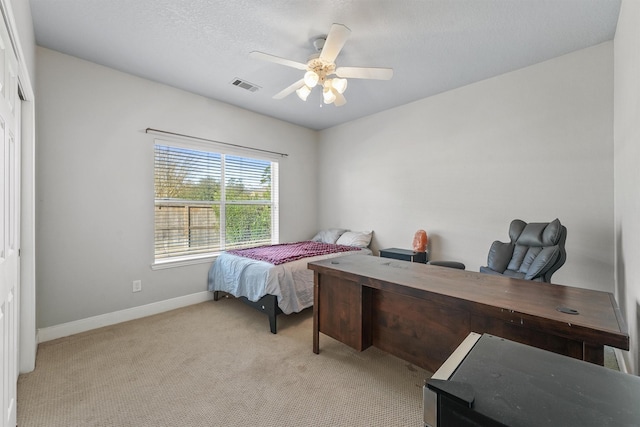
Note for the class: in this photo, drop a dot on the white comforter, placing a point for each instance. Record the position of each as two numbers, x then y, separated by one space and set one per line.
291 282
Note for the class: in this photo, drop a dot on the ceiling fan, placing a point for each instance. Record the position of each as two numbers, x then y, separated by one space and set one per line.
321 66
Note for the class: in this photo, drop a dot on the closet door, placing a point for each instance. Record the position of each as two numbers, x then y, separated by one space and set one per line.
9 228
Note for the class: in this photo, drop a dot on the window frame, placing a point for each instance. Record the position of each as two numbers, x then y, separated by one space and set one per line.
223 150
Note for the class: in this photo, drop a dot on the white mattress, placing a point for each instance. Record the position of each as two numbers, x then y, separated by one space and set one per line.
291 282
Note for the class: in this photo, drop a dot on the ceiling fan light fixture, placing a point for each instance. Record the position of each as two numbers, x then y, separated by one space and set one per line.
311 78
340 85
340 100
303 92
328 95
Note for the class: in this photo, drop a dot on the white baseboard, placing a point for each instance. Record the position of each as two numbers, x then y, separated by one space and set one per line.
95 322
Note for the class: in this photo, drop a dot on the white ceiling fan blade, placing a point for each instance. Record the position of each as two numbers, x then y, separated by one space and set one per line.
365 73
276 59
340 100
289 90
335 41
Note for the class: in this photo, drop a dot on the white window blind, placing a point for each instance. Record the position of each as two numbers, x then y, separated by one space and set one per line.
207 202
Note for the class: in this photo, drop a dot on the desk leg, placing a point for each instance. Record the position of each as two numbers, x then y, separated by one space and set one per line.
593 353
316 313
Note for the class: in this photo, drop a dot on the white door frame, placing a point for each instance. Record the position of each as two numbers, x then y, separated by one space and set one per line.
28 339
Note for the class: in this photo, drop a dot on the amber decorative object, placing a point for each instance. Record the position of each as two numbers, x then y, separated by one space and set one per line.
420 241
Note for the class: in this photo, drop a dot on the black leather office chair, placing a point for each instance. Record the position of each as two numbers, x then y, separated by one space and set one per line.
535 252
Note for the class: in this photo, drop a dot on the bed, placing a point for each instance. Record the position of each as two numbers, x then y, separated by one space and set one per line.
275 279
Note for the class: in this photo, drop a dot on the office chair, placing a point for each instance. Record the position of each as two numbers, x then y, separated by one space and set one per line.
535 252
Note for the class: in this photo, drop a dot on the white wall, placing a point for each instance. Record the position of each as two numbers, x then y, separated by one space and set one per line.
533 144
95 183
627 172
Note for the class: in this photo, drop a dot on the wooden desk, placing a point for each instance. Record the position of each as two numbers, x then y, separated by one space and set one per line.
421 313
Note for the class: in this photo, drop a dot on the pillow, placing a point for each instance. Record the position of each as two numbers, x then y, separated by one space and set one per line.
328 236
360 239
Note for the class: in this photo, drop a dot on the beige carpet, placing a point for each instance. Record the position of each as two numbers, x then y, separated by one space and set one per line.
216 364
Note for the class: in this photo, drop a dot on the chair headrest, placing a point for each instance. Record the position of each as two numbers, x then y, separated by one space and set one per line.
535 233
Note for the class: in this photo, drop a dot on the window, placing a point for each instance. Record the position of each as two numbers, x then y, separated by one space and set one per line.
207 202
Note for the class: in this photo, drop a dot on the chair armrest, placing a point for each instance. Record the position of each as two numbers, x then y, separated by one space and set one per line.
499 256
450 264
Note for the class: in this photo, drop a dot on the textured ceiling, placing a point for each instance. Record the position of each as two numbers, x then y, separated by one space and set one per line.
433 45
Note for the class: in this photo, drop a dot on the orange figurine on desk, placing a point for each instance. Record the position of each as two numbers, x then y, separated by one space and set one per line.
420 241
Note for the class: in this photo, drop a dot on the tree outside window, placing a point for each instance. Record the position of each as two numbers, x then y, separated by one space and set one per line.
208 202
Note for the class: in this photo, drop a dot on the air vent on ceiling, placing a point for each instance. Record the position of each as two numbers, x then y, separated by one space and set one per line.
245 85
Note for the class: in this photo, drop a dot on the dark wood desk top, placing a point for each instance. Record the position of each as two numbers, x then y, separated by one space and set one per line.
513 300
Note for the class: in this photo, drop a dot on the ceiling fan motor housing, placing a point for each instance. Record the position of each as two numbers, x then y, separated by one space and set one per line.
321 68
318 43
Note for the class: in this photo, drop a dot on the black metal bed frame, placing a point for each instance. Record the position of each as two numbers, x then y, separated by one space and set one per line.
268 304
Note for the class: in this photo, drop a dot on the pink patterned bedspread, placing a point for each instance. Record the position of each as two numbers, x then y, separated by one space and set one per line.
285 252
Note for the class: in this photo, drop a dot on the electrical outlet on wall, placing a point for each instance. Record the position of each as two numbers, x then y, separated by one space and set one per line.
137 285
